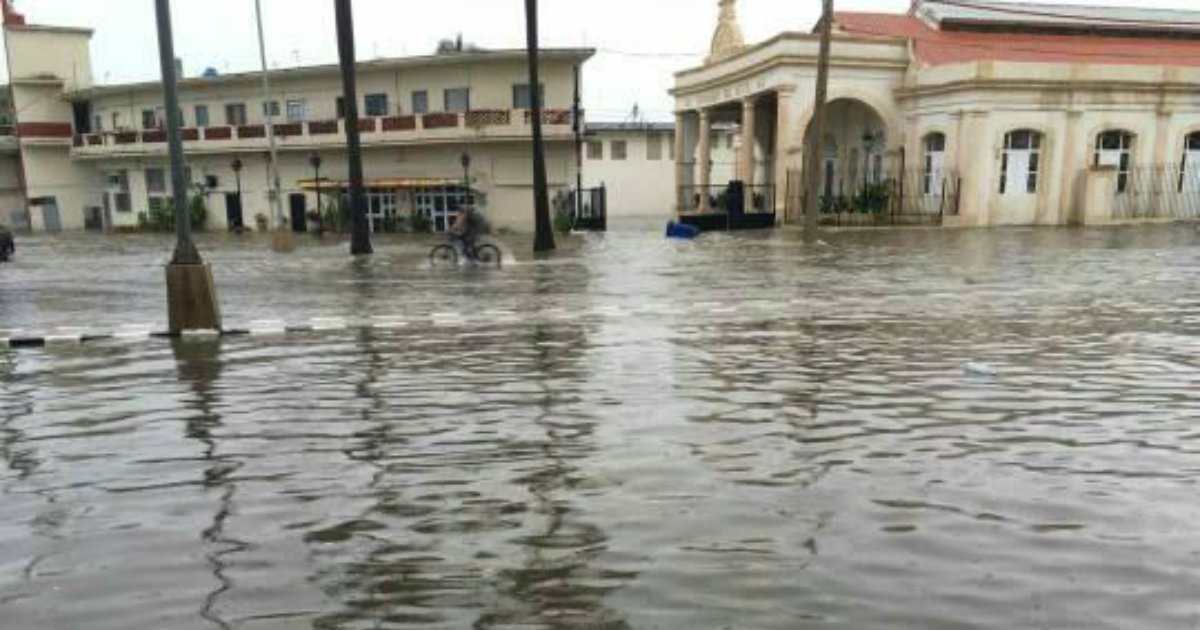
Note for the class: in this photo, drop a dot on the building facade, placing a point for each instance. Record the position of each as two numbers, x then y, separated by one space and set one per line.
984 113
635 162
437 132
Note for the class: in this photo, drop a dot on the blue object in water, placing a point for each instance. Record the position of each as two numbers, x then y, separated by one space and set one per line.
679 230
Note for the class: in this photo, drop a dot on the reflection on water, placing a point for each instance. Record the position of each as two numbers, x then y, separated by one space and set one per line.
738 432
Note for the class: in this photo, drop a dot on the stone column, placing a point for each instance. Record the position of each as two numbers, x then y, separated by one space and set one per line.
704 161
784 143
681 178
745 170
746 156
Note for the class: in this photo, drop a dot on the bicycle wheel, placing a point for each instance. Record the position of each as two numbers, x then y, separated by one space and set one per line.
488 255
443 256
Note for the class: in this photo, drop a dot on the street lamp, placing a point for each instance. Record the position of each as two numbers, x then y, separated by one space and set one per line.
315 161
237 175
466 164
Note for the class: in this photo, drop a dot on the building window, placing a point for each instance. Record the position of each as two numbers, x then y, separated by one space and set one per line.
522 99
116 121
376 104
297 111
458 100
654 147
420 102
156 181
99 123
671 146
1115 148
595 150
934 177
149 119
202 120
235 114
271 109
1021 162
118 190
619 149
1189 174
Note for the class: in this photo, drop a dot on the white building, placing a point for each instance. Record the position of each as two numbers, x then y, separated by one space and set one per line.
96 155
635 161
980 113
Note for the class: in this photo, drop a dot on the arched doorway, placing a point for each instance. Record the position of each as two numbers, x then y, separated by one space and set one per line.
859 158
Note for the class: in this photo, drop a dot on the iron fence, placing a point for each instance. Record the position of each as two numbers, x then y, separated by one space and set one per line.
1158 192
913 197
590 215
721 199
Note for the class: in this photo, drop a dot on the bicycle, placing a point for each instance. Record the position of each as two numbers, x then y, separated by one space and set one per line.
446 255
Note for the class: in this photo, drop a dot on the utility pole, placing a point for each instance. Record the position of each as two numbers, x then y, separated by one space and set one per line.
283 238
816 149
191 295
360 238
577 116
543 240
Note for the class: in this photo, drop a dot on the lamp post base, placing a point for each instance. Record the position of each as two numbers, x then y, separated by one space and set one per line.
191 298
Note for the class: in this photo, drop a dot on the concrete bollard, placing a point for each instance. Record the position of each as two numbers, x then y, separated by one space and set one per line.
191 299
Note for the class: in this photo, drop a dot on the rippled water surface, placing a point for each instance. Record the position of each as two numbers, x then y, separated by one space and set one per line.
910 429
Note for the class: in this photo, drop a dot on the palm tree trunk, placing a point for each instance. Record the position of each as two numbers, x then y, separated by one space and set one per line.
543 240
360 238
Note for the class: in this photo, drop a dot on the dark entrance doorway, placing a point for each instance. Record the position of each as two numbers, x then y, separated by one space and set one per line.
233 211
299 205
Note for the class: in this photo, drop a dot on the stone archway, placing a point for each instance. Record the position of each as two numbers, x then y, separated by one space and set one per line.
857 147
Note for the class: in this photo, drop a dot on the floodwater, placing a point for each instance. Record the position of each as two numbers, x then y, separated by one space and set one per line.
894 429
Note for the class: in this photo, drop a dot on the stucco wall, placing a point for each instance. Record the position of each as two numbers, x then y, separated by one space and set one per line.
502 171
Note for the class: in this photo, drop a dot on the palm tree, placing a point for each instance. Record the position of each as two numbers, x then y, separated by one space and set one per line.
360 239
543 240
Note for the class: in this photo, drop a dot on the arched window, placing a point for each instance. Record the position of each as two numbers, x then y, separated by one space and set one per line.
1189 172
935 163
1021 164
1115 148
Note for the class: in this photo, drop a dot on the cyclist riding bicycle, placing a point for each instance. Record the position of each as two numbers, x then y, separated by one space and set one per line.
468 226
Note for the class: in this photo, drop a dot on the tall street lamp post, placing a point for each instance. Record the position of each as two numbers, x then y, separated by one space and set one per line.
236 165
466 164
315 161
191 295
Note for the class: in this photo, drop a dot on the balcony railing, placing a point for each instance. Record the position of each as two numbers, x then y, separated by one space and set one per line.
320 131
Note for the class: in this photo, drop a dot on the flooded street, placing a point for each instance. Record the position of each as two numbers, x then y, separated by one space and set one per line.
897 429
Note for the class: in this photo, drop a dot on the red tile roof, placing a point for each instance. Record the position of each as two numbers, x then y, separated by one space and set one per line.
933 47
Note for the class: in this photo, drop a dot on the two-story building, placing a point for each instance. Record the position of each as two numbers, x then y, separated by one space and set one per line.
979 113
91 155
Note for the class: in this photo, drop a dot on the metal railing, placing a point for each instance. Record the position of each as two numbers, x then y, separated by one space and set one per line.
721 199
913 197
1158 192
475 120
592 214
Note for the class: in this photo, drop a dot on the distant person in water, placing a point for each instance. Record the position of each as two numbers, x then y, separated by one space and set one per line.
8 247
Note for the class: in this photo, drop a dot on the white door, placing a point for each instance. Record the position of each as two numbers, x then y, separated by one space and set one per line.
935 174
1017 175
1191 177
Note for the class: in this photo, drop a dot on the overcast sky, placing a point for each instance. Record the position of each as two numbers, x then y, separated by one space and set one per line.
641 42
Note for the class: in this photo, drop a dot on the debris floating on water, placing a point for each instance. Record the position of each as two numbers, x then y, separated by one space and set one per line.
979 370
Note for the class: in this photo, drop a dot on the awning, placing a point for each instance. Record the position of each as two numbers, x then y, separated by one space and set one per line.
387 183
